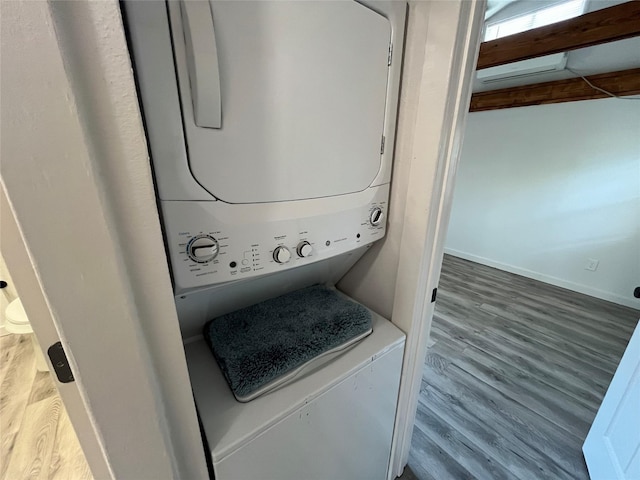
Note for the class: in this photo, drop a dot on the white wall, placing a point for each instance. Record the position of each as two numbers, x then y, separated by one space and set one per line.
542 189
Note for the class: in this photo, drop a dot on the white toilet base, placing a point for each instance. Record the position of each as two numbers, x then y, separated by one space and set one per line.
17 323
41 361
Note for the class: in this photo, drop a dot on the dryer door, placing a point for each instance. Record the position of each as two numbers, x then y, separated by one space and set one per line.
281 100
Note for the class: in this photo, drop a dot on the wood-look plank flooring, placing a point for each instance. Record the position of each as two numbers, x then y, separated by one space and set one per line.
37 440
515 376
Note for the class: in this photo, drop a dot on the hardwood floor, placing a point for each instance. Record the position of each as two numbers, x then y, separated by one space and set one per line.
515 376
37 440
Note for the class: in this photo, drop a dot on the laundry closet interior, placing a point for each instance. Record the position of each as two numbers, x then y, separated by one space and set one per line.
271 128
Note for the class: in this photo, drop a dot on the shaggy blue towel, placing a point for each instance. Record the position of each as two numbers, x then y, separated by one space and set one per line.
258 344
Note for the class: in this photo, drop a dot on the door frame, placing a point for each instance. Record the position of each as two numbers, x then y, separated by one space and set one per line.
446 66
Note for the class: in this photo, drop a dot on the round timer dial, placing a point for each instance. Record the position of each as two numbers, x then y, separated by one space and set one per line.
376 217
203 248
281 254
304 249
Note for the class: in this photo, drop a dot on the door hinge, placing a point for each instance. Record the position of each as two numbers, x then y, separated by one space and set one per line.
390 54
434 294
60 364
382 145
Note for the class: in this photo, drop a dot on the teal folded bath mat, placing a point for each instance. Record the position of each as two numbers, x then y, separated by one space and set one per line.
264 346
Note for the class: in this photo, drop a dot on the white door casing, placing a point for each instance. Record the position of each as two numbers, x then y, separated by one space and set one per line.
612 447
461 50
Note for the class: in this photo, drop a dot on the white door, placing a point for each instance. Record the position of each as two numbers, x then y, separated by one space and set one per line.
612 447
26 281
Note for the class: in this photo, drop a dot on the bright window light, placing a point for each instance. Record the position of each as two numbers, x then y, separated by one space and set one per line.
538 18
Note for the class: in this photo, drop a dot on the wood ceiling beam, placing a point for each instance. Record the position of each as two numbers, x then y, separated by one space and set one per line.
602 26
622 83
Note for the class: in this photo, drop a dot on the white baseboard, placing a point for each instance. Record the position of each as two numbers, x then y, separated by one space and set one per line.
558 282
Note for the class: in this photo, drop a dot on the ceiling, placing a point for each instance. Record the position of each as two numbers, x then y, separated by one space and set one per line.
604 58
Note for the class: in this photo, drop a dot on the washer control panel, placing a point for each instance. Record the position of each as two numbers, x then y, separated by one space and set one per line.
239 243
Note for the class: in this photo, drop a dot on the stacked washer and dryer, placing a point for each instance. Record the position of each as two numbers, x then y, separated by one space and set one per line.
271 130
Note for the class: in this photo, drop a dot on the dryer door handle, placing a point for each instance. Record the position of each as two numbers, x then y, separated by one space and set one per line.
202 62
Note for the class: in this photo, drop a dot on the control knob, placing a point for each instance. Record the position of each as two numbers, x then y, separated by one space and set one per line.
376 217
304 249
202 249
281 254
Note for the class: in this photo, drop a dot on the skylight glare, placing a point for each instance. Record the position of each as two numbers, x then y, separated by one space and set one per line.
538 18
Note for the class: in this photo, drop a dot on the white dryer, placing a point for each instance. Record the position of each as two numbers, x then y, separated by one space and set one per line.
271 127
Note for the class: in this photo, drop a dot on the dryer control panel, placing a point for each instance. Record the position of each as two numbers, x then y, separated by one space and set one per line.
242 241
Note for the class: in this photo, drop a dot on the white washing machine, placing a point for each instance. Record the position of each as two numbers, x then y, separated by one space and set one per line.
271 128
